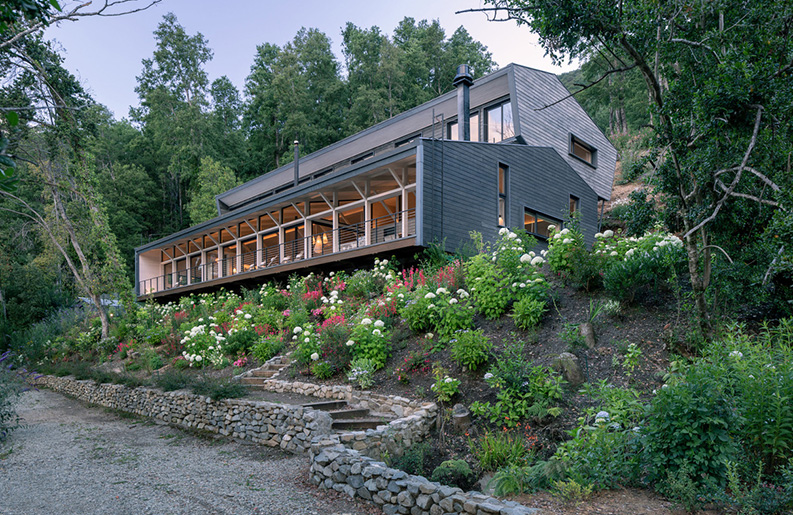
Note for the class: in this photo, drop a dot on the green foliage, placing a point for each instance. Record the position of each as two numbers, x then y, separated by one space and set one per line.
218 389
640 215
562 245
362 371
172 380
417 311
268 347
500 449
322 369
415 459
488 286
527 312
445 387
470 349
524 391
370 340
12 384
689 425
642 272
516 479
571 491
240 341
455 473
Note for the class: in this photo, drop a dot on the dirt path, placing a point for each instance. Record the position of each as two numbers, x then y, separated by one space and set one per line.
71 458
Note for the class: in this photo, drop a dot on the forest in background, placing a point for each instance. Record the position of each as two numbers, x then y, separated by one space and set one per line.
88 189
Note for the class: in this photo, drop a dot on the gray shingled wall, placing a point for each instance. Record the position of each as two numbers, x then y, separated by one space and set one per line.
461 189
551 127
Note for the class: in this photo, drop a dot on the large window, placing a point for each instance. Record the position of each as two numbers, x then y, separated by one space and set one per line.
583 151
498 123
503 173
537 224
452 128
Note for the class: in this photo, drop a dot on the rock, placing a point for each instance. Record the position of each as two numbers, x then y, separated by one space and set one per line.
567 364
588 333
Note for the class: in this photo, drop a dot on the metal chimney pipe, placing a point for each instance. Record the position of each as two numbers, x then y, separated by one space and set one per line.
297 162
462 82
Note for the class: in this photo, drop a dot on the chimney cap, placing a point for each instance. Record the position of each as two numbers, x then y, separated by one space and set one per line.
463 75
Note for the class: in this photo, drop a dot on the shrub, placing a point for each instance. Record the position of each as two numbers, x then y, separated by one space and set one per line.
12 384
415 459
203 345
171 380
689 427
218 389
561 245
516 479
240 341
307 344
524 391
527 312
470 348
268 347
445 387
643 270
571 491
362 372
488 286
500 449
322 369
454 473
419 310
370 340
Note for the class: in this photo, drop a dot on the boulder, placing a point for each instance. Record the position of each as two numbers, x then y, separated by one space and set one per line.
567 365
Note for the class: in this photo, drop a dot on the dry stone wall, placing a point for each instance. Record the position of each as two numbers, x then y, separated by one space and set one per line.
396 492
277 425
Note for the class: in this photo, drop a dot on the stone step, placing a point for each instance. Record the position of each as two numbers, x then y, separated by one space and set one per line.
327 405
358 423
263 373
252 381
349 413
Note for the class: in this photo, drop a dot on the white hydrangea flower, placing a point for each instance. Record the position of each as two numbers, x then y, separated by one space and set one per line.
736 354
366 321
298 330
314 357
452 301
377 332
537 261
613 253
551 227
429 295
488 376
379 323
503 231
441 290
557 236
429 336
567 240
350 343
525 258
512 235
598 235
448 379
564 231
608 234
247 316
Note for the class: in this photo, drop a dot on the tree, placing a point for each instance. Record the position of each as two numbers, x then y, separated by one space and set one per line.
213 179
718 75
172 88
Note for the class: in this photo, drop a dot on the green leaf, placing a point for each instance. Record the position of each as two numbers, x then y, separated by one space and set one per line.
12 117
54 3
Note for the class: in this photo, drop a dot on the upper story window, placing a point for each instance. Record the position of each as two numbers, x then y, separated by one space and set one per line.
452 128
498 123
583 151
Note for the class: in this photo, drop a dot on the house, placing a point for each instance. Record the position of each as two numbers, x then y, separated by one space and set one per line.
510 149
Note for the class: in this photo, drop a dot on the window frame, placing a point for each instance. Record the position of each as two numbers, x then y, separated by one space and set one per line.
593 152
486 119
539 214
502 217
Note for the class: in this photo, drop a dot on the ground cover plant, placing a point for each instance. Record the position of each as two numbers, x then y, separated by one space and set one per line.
713 424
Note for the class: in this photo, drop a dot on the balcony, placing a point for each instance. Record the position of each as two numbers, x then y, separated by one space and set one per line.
346 241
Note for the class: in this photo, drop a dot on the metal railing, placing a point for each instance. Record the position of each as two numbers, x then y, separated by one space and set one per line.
347 237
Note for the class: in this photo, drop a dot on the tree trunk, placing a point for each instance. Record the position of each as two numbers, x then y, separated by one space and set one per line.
699 283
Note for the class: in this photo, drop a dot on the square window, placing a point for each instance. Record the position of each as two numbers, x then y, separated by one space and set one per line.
583 151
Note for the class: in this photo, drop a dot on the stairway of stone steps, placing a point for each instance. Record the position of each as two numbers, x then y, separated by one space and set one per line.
346 418
258 376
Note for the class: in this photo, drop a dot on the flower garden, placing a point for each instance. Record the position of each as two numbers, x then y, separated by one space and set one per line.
702 423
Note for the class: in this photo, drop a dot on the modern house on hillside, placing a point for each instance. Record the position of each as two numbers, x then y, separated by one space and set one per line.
507 150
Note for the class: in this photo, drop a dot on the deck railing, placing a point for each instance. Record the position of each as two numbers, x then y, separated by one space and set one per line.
347 237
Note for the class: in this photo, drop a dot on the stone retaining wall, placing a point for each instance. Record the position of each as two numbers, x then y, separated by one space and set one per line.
288 427
346 470
384 404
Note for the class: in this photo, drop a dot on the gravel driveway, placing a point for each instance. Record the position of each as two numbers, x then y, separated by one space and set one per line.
73 458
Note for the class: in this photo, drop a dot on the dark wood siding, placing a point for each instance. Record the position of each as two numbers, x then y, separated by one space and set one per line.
461 189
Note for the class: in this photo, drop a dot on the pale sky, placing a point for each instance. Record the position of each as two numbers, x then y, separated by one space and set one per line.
105 53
